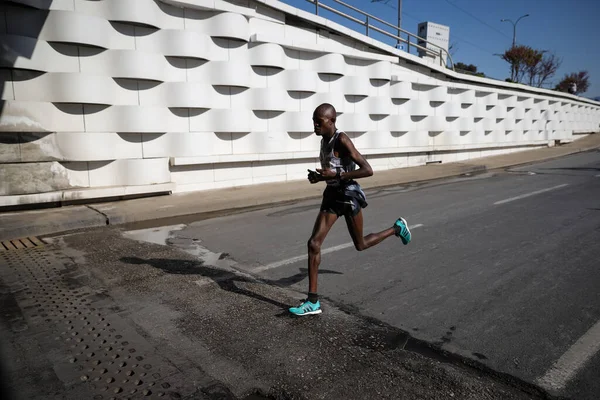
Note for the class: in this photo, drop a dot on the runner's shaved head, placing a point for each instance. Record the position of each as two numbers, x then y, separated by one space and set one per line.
326 110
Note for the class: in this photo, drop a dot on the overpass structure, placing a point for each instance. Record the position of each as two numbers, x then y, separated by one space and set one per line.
114 98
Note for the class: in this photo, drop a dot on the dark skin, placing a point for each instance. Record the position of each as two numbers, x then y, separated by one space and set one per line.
324 119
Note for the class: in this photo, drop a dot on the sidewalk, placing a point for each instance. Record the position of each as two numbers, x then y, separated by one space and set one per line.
47 221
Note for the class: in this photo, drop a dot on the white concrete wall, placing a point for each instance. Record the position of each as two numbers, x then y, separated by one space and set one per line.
114 97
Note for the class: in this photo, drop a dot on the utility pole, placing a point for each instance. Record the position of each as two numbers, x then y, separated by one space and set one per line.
514 42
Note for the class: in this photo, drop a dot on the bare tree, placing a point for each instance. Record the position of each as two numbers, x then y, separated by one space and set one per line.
532 61
531 66
546 69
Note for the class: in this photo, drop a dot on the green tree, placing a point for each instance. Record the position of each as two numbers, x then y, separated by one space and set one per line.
468 69
581 79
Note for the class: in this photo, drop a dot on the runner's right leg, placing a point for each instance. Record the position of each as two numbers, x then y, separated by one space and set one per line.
321 228
323 224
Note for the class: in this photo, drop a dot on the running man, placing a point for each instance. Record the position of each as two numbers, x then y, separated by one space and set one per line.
342 196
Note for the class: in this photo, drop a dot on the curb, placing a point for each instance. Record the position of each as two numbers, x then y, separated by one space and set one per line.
546 159
183 217
176 218
90 216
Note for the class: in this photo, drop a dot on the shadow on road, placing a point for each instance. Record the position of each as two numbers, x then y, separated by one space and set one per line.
573 169
225 279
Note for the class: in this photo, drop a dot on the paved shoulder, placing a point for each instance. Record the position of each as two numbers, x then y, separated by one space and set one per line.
99 316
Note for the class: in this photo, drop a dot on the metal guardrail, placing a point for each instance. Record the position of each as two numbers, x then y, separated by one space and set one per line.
369 27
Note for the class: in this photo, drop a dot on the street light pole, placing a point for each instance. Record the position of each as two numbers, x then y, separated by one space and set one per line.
399 16
514 27
399 19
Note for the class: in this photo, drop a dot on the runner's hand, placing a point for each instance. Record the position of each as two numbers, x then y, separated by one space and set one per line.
313 177
327 174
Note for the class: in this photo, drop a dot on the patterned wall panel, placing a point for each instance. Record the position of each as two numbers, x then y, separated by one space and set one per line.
40 56
61 87
138 96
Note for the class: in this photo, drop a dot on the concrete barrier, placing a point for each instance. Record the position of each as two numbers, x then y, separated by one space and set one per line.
121 98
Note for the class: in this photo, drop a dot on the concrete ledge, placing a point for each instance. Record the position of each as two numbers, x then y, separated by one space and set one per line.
41 222
81 194
229 200
313 154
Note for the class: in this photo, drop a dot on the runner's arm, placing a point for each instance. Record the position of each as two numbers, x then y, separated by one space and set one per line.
364 169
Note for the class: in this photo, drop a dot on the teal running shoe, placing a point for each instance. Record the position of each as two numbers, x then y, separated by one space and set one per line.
402 231
306 308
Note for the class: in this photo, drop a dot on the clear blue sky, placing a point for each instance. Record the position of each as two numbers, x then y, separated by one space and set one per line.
569 28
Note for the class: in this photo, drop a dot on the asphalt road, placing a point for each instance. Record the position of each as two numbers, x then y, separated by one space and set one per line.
503 267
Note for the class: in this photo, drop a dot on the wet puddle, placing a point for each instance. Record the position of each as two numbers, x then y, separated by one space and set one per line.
175 236
158 235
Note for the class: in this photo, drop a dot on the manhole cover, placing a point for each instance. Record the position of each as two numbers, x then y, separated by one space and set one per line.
21 243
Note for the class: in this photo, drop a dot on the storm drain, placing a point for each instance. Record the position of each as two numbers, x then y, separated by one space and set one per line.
21 243
90 346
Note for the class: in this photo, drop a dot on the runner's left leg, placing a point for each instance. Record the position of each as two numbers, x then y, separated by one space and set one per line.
355 228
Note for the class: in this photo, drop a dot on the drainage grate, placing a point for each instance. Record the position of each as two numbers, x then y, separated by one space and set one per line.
90 346
21 243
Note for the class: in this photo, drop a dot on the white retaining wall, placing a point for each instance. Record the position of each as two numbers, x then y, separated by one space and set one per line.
119 97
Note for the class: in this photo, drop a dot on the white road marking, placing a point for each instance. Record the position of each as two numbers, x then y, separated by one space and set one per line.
530 194
292 260
598 176
567 366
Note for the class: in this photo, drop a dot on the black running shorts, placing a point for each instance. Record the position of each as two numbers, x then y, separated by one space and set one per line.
336 202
